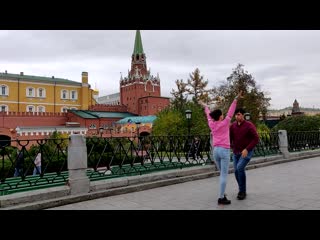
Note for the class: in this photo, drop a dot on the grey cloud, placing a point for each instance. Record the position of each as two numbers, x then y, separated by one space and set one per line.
284 63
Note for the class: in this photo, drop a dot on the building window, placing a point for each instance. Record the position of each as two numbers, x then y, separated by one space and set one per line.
30 108
4 90
74 95
4 108
41 109
64 94
41 92
30 92
92 126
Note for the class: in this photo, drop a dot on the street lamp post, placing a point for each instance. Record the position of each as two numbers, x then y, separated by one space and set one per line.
188 116
189 143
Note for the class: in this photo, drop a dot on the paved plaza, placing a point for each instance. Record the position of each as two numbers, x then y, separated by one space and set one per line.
287 186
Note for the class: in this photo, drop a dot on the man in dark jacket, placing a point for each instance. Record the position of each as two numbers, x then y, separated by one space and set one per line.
243 139
19 164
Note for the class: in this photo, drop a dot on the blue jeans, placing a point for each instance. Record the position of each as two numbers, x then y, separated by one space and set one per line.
17 172
239 165
222 159
36 170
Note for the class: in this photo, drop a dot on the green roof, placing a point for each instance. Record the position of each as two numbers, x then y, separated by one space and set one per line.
138 49
38 78
141 119
93 114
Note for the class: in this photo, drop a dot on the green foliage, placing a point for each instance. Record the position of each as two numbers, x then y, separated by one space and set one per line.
54 153
172 121
111 152
196 87
254 100
299 123
263 131
261 127
169 122
179 98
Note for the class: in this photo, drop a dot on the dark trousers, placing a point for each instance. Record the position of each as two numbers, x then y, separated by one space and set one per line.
239 165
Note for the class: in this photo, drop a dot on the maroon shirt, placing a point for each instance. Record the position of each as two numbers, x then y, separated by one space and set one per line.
243 136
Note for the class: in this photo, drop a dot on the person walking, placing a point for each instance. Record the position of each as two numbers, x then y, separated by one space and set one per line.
37 165
243 139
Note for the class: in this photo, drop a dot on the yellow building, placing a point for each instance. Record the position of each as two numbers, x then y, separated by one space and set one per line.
25 93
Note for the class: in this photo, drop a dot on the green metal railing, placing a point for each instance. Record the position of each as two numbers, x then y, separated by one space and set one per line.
300 141
125 156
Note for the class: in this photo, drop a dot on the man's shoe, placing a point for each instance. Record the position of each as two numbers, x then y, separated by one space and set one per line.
241 195
224 201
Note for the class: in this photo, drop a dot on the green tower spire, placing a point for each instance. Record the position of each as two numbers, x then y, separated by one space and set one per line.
138 49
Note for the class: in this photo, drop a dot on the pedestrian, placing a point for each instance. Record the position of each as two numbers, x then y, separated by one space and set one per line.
195 151
18 171
37 165
219 127
243 139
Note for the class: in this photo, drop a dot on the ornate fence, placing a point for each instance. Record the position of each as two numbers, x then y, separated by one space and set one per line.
122 156
299 141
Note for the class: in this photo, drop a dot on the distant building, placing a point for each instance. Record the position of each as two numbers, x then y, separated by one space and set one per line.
32 106
36 94
139 91
296 109
112 99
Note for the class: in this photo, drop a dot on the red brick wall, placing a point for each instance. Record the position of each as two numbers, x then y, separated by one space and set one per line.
14 119
108 108
152 105
130 95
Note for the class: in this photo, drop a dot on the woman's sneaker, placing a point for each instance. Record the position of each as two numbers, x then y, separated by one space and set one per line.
224 200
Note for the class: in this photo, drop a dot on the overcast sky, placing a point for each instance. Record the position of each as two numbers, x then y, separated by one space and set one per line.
285 64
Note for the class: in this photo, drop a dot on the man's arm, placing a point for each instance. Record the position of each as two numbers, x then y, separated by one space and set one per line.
254 136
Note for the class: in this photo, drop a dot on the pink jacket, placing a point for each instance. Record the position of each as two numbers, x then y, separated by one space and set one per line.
220 129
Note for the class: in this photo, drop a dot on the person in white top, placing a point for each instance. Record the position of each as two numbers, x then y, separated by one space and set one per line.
37 163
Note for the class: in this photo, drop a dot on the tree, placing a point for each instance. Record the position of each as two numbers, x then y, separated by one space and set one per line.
179 96
299 123
172 121
197 87
255 102
168 122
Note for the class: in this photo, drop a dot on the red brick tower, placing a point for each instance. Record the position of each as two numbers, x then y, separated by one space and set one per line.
140 91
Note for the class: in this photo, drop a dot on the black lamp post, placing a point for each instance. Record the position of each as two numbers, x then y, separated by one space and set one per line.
188 116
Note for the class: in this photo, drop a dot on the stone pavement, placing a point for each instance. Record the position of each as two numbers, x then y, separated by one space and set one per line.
292 185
